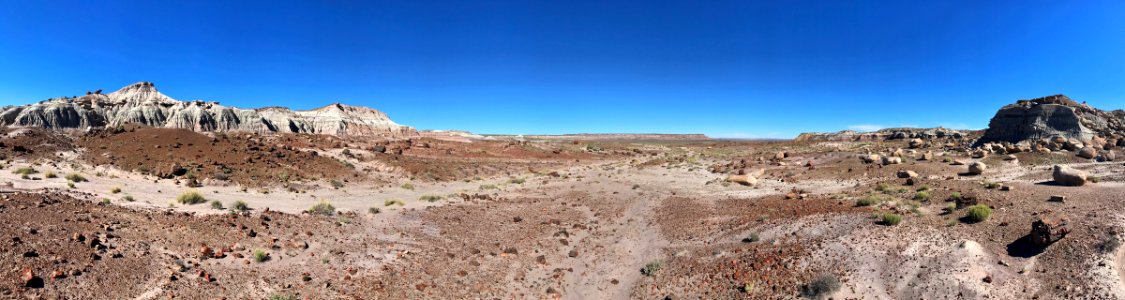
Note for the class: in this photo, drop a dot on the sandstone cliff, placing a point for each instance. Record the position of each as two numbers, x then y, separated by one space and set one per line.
1050 117
141 103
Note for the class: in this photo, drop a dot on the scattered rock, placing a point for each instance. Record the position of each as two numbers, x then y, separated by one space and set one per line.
1066 175
976 168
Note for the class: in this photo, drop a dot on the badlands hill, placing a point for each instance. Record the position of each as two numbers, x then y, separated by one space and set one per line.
1051 117
140 103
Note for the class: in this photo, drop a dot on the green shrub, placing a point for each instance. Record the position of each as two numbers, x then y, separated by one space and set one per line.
430 198
105 201
51 175
516 180
115 190
991 185
955 196
261 255
951 207
75 177
322 208
216 204
373 210
882 187
336 184
922 196
68 184
868 201
393 202
979 213
191 197
488 187
240 206
651 268
128 198
891 219
25 171
407 186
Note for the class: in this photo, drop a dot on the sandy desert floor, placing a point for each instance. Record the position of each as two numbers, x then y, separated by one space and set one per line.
623 220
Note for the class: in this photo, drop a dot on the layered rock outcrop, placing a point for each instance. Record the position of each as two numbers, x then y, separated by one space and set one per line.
141 103
1052 117
884 134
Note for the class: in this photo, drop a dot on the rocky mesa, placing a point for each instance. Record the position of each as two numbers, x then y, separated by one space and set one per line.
141 103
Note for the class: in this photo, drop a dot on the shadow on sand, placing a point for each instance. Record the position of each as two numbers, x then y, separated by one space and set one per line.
1023 248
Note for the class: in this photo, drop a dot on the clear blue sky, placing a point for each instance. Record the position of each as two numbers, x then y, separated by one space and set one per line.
727 69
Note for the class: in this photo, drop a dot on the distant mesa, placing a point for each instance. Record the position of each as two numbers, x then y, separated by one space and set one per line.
1050 117
140 103
884 134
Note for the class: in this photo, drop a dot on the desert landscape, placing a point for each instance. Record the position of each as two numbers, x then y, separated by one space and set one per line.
135 195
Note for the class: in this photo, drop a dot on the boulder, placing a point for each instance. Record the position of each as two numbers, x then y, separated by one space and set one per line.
1087 153
871 158
976 168
892 160
746 180
917 143
928 155
906 174
1066 175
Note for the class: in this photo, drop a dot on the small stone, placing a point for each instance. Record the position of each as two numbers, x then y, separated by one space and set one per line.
1057 198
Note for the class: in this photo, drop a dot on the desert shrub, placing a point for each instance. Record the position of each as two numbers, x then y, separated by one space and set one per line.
105 201
322 208
393 202
924 188
979 213
68 184
891 219
261 255
336 184
25 176
955 196
821 286
75 177
951 207
991 185
115 190
882 187
373 210
430 198
516 180
753 237
191 197
407 186
216 204
128 198
1094 179
25 171
240 206
651 268
51 175
868 201
922 196
1110 244
488 187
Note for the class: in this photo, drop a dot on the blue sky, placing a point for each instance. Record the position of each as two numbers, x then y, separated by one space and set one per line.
723 68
